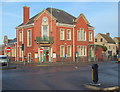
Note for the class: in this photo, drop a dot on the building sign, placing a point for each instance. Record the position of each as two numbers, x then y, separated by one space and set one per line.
54 55
36 55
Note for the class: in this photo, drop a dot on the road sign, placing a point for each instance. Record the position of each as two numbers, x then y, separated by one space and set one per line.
8 49
41 50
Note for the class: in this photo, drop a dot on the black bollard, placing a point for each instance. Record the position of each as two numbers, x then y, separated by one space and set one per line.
95 73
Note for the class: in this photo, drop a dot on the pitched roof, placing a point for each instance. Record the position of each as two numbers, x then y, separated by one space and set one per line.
60 15
107 38
118 38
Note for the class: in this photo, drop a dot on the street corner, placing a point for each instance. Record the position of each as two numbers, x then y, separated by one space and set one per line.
102 88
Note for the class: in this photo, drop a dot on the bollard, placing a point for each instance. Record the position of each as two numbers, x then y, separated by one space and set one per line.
118 59
95 73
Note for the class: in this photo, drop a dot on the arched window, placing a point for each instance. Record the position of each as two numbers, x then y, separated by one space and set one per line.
45 27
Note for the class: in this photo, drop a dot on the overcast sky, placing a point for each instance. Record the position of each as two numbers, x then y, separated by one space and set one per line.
102 15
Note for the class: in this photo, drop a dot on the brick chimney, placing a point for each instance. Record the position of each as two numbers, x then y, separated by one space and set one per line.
26 14
108 34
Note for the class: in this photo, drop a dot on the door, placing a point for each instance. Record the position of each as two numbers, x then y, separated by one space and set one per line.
46 55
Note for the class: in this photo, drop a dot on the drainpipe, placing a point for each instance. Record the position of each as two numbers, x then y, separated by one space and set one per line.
73 43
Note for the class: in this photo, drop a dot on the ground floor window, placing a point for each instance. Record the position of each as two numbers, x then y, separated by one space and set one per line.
20 52
62 51
29 57
82 50
69 50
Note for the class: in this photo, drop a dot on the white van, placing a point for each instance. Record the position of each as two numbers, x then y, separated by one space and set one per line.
3 60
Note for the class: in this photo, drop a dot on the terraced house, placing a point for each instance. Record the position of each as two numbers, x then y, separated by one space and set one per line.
61 36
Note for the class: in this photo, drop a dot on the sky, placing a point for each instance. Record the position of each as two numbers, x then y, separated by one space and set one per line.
101 15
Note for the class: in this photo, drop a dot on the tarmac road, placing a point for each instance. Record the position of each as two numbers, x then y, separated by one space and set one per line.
58 77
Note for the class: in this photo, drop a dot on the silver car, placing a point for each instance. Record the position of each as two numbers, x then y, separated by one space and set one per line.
3 60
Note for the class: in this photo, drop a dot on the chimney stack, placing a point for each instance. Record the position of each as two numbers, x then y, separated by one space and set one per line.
108 34
26 14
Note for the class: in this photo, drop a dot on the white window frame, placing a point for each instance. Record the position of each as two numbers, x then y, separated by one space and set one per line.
20 36
69 34
62 30
82 50
90 36
28 38
82 35
43 24
63 51
70 50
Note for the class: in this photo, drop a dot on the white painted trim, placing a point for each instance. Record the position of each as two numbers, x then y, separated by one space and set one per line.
63 33
24 26
65 25
42 27
67 34
28 38
91 28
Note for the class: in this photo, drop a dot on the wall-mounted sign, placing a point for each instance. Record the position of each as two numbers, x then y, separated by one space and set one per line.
54 55
36 55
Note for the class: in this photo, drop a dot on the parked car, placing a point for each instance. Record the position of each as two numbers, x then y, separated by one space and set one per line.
3 60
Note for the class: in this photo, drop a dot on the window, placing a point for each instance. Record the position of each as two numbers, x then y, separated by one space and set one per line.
62 51
45 29
20 52
68 34
29 57
69 48
81 35
29 38
20 36
95 40
82 50
90 36
101 40
61 34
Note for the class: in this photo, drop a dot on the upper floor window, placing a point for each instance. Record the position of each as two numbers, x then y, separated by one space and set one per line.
45 29
68 34
81 35
62 34
90 36
101 40
29 38
20 36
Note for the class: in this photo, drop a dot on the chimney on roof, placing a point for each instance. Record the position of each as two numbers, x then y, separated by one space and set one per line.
26 14
108 34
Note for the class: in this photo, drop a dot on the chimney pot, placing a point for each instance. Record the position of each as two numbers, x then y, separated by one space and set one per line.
108 34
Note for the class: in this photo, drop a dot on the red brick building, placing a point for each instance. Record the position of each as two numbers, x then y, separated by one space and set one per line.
62 37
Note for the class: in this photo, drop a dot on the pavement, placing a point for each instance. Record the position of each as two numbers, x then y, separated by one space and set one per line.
59 76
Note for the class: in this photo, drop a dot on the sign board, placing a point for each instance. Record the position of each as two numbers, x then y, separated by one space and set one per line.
8 49
54 55
41 50
36 55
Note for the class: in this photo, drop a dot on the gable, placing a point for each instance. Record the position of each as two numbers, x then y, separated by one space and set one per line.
84 18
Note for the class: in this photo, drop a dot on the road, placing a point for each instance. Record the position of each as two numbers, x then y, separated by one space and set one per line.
58 77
